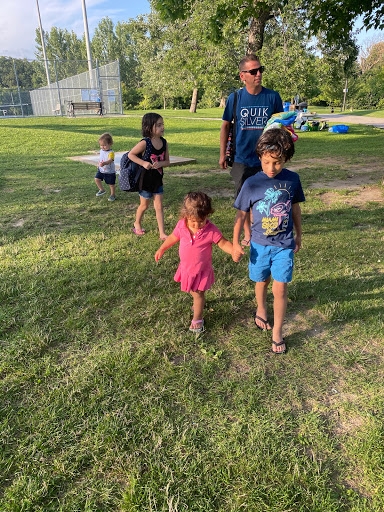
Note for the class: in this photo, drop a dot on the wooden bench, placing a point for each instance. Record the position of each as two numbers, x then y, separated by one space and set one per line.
74 106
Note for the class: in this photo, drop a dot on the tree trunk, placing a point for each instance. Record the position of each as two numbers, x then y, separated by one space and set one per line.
194 100
222 102
256 31
164 103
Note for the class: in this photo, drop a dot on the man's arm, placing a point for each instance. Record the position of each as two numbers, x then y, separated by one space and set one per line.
237 251
224 132
296 217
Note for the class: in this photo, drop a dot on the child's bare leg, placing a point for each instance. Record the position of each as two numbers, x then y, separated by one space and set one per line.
143 206
158 205
198 306
261 289
99 184
280 296
113 189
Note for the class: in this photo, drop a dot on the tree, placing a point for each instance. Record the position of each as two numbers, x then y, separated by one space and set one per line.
288 55
178 61
336 18
371 55
26 76
249 16
335 68
63 48
104 43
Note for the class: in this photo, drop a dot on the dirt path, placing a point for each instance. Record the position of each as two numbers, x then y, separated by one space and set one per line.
377 122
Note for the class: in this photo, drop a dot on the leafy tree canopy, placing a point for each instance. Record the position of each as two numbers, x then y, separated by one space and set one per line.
336 17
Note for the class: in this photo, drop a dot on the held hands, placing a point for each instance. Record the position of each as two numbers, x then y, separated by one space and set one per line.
237 252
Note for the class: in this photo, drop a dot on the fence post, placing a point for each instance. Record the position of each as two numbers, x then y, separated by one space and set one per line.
58 88
99 84
18 87
120 93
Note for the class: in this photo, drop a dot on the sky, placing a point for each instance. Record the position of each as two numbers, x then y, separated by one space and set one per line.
19 20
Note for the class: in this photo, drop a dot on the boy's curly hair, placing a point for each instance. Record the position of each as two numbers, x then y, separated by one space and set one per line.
147 123
196 204
276 141
106 137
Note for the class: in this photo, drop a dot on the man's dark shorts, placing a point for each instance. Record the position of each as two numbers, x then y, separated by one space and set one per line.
240 172
109 178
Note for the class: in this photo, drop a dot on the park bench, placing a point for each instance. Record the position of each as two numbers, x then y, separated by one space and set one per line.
75 106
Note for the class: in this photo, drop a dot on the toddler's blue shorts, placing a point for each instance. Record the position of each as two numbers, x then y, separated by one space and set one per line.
265 260
109 178
148 195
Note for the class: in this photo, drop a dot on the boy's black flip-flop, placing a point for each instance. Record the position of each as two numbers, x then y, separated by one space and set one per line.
279 345
265 322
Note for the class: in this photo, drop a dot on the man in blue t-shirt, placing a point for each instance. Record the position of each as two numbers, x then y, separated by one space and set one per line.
255 105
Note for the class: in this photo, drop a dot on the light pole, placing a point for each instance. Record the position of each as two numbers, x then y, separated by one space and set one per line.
87 42
43 45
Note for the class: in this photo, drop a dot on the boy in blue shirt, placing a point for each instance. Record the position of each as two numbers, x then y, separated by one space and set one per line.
273 196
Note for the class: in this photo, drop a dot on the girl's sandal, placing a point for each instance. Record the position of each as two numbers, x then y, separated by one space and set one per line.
194 326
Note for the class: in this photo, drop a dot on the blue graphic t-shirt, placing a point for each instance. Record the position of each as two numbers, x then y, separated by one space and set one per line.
271 201
253 112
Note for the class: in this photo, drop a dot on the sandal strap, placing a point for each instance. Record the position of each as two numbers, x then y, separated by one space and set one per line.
278 344
265 322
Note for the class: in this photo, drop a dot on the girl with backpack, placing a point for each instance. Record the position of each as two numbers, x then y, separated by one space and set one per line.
152 154
196 234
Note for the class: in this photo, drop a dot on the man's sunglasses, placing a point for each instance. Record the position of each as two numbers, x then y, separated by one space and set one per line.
254 71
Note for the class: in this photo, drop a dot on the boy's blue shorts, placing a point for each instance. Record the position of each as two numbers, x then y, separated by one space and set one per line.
109 178
265 260
148 195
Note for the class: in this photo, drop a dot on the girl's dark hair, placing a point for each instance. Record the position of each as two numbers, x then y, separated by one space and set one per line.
106 137
196 204
147 123
277 141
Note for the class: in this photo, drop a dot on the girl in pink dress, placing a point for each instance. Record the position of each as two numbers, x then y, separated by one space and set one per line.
196 234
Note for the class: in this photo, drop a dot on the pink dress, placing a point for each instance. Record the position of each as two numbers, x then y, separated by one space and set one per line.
195 270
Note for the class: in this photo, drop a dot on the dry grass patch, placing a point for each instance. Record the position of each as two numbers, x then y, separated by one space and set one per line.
358 198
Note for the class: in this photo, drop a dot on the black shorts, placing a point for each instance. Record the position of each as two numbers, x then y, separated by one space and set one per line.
109 178
240 172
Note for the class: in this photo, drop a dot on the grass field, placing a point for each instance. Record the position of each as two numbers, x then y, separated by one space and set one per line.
108 403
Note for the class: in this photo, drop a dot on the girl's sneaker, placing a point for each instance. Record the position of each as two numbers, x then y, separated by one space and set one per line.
111 198
100 193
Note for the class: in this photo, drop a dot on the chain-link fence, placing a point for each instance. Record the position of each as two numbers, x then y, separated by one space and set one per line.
102 84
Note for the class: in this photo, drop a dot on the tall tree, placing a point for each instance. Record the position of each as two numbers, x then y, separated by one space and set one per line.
63 48
334 18
104 42
288 55
178 60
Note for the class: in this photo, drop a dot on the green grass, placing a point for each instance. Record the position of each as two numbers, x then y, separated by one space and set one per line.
110 404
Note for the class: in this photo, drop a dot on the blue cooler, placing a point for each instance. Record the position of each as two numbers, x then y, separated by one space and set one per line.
286 106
